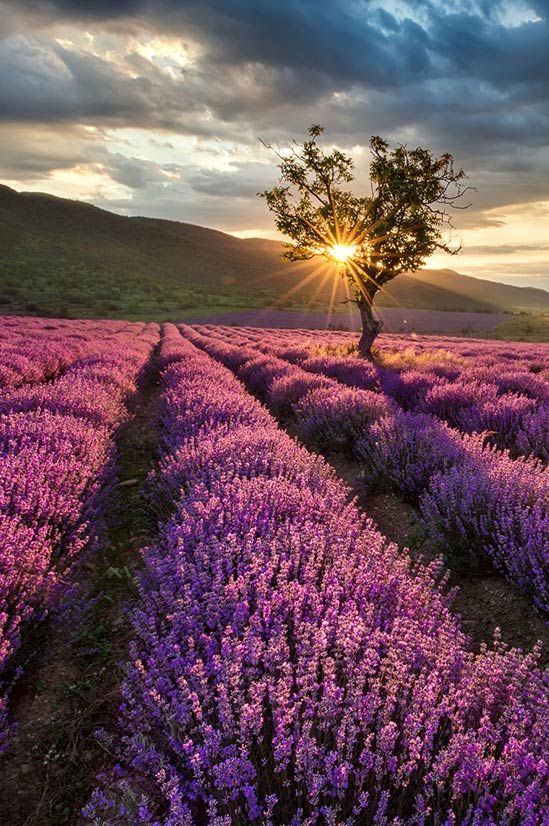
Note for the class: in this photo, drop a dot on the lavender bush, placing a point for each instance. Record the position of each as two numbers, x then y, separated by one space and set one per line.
489 506
290 667
498 392
407 450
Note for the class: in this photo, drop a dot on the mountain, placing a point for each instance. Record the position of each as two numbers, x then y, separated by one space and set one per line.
65 257
503 296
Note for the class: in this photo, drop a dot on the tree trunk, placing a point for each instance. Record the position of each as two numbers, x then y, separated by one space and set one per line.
371 327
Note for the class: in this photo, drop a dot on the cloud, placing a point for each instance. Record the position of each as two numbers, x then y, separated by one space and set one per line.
139 173
243 181
504 249
32 153
466 76
210 197
459 79
44 81
333 38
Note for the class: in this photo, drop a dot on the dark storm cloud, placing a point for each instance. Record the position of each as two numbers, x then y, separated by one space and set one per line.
327 38
461 71
296 52
499 55
81 9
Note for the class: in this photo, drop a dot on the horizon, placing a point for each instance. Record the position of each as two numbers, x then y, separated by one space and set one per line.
151 109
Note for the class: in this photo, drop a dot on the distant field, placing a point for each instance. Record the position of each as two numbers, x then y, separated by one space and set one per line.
395 319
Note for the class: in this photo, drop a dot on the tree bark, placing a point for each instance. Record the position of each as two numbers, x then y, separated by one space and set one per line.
371 327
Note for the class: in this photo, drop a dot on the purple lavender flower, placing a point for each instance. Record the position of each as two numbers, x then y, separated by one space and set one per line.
290 666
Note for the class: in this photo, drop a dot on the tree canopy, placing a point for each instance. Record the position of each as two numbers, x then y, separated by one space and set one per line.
374 237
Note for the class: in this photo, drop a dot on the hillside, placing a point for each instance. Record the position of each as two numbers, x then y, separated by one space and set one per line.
66 257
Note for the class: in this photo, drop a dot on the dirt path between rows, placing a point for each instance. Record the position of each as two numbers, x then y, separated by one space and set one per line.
71 687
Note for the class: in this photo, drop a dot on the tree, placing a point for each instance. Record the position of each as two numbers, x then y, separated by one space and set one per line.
372 238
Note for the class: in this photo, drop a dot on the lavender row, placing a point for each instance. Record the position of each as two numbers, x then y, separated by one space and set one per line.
56 467
35 350
475 389
481 507
487 509
288 666
509 404
403 352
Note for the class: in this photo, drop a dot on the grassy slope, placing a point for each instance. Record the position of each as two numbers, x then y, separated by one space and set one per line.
523 328
60 254
64 257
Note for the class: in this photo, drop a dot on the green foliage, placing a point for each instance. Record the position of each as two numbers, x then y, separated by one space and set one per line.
524 328
60 257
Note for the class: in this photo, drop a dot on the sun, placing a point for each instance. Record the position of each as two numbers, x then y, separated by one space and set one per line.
342 252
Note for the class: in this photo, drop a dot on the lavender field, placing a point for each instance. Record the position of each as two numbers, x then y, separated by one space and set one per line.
192 539
395 319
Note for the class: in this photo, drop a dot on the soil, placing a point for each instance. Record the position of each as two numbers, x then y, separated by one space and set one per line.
71 686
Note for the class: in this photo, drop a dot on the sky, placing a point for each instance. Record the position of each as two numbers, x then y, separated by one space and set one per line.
155 107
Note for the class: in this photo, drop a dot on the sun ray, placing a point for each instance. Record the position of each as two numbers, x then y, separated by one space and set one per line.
358 275
332 300
335 217
359 222
321 285
355 251
379 286
358 281
299 286
287 268
316 292
349 305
